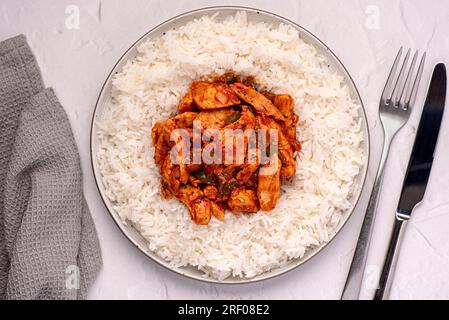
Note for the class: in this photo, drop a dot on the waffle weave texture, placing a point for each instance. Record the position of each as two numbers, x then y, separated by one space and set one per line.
48 244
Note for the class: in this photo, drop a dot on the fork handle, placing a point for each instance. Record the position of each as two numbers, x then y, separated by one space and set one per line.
354 280
386 278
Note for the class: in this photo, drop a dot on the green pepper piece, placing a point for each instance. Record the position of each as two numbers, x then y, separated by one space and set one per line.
233 117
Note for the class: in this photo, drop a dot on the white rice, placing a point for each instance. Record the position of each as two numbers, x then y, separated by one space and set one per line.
149 88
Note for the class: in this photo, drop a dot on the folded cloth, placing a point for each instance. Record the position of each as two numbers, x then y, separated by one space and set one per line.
48 244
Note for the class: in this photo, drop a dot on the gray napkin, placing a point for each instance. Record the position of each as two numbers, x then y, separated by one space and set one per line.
48 244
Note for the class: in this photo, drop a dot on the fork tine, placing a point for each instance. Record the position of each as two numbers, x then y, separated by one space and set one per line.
385 93
412 95
399 81
406 89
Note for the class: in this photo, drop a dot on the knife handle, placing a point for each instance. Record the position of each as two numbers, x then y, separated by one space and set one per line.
354 279
386 276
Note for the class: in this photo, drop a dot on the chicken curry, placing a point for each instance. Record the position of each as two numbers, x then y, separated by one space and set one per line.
245 185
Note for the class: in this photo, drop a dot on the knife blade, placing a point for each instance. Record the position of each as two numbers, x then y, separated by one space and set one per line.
421 159
418 171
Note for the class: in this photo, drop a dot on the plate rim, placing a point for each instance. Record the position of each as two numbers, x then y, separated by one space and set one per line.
294 263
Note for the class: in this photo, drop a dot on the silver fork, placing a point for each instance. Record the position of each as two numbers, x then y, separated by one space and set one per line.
395 104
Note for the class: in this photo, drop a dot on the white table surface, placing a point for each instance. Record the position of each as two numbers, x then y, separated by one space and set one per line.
364 34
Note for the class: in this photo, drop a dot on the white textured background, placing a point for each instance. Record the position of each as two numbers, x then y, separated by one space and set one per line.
76 62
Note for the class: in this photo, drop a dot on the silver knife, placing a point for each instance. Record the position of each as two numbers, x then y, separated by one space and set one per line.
418 172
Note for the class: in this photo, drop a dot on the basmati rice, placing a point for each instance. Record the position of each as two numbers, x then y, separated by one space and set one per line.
148 90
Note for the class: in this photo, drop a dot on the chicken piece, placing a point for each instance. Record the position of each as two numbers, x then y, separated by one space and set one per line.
243 200
181 167
183 173
201 208
284 102
162 134
291 134
289 126
289 130
161 147
211 192
181 121
186 104
250 167
185 120
288 165
284 148
217 210
215 119
181 150
161 150
156 132
269 184
235 147
296 145
171 175
209 96
247 171
236 137
188 194
257 100
246 121
174 171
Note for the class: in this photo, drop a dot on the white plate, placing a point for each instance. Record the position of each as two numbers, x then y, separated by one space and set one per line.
104 100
